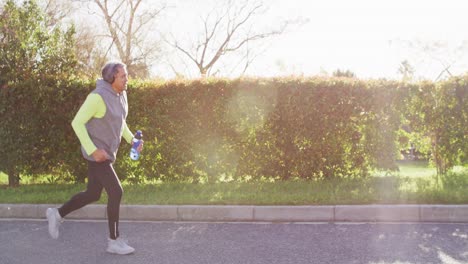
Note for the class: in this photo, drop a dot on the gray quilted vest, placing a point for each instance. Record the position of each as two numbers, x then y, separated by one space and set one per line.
106 132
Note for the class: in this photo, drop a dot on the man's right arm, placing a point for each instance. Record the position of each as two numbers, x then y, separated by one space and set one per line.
92 107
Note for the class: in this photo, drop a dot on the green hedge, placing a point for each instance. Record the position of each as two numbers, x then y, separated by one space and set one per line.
35 132
439 114
220 129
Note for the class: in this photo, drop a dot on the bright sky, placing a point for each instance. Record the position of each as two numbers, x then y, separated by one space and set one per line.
369 37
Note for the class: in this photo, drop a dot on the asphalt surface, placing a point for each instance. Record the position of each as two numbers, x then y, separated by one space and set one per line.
27 241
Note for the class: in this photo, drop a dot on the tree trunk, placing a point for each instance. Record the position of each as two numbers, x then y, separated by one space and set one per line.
13 178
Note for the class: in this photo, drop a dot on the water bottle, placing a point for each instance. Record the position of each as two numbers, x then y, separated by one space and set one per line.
134 153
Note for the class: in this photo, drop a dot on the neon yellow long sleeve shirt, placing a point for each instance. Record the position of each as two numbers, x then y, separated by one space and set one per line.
93 107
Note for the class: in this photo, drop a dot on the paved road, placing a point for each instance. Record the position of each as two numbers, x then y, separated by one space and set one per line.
181 242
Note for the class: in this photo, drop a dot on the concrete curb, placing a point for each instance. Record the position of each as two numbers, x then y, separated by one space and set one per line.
251 213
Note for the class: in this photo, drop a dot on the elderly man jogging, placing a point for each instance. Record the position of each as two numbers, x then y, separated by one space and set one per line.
100 125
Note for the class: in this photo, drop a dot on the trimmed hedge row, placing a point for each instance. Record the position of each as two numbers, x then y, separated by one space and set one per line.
219 129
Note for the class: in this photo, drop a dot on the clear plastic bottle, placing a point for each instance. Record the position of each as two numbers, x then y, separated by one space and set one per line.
134 153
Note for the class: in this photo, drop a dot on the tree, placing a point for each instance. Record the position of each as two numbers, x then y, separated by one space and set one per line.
91 54
56 11
406 70
342 73
128 24
225 30
33 58
440 55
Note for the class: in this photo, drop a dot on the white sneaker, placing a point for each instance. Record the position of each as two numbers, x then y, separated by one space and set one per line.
55 220
119 246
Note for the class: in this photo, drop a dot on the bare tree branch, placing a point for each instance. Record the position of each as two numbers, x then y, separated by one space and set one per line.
188 55
129 23
227 31
56 10
439 52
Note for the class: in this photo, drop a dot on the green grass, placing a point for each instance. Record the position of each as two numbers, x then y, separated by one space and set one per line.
415 183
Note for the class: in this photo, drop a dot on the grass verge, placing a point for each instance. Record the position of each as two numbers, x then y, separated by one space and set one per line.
416 183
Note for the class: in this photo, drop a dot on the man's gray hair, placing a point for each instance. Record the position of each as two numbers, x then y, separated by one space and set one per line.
110 70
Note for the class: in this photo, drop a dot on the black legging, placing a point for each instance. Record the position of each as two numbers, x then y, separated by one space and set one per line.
100 175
